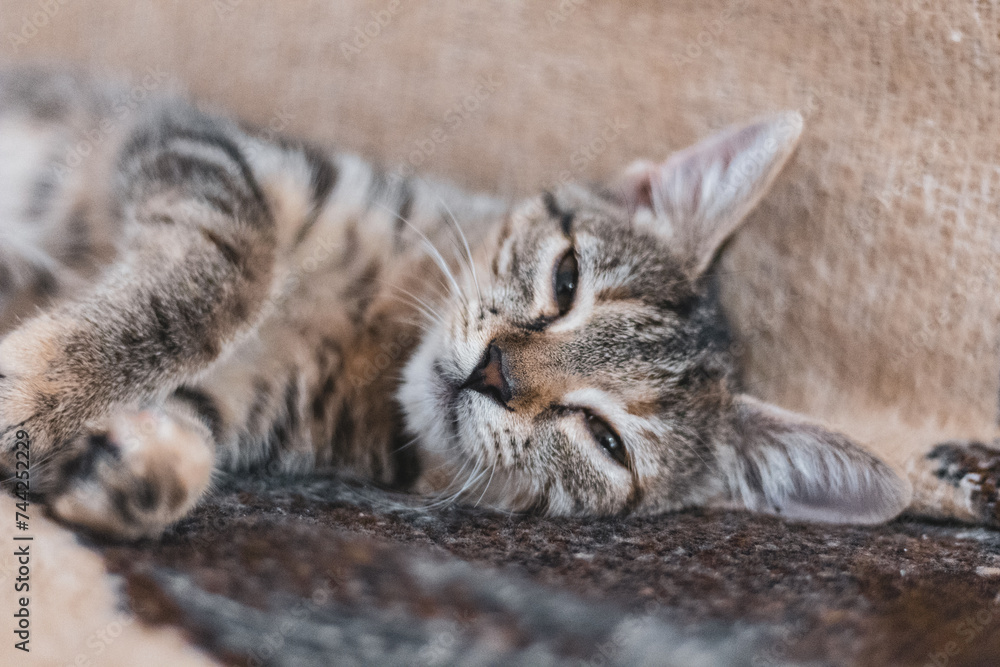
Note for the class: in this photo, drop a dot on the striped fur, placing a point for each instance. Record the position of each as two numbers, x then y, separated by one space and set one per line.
214 298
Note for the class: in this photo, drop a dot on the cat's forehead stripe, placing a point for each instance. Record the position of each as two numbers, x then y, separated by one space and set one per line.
564 217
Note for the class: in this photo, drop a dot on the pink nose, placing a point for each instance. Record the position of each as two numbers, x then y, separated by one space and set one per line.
489 378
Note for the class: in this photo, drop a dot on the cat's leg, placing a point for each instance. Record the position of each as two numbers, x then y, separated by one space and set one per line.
265 406
196 268
958 479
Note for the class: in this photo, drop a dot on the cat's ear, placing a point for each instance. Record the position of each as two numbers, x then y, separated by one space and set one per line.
779 463
700 195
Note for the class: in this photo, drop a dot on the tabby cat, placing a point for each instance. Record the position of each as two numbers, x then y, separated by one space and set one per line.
182 294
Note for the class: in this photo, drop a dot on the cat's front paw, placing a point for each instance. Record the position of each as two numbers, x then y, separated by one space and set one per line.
961 479
134 476
33 392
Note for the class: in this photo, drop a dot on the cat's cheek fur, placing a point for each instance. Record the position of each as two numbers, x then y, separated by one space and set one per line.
776 462
419 395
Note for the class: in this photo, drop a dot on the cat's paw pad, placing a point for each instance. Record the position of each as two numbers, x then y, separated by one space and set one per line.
135 476
971 470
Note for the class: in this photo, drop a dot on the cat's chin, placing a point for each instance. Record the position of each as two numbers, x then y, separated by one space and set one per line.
441 480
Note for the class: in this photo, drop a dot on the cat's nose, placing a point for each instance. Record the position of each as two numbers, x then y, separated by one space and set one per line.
489 377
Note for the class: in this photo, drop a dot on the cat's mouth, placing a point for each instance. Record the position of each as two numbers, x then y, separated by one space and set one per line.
455 393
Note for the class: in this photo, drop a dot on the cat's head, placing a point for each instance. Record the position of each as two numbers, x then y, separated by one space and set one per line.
585 367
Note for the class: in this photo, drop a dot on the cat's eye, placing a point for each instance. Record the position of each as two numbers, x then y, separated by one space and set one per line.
607 439
566 277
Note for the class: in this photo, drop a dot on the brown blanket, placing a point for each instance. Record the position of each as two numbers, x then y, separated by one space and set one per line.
321 572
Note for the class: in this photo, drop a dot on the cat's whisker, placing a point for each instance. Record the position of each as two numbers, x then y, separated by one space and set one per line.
470 483
441 294
461 476
455 476
494 271
493 470
463 264
482 465
426 313
418 303
412 442
691 447
445 464
465 242
508 480
447 497
424 326
433 251
421 302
